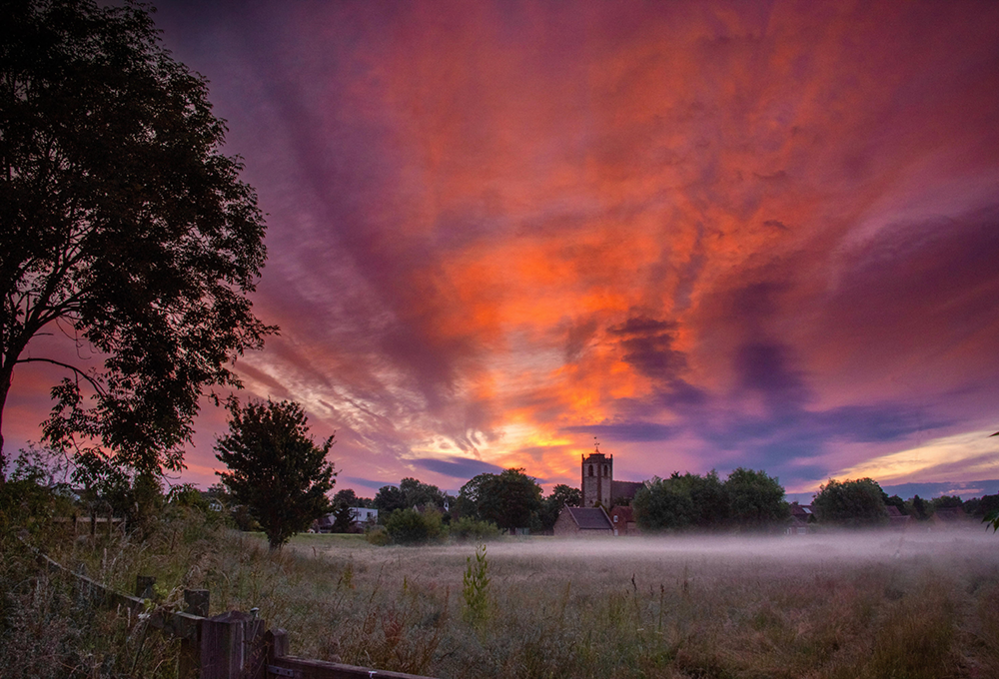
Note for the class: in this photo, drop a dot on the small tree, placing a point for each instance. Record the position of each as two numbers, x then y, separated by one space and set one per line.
275 467
755 499
412 527
853 503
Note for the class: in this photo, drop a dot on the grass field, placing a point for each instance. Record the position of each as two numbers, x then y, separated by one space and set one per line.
874 605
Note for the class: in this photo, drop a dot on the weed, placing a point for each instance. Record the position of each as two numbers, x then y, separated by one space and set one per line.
475 588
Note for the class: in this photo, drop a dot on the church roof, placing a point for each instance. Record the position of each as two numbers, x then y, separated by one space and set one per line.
625 489
590 518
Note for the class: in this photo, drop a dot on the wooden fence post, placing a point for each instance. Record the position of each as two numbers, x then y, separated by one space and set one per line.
189 663
144 586
276 641
232 647
196 602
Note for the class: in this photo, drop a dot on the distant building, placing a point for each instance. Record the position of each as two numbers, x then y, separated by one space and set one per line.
363 516
896 519
623 521
623 492
802 518
951 518
583 522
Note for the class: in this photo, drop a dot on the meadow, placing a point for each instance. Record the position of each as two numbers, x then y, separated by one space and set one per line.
837 606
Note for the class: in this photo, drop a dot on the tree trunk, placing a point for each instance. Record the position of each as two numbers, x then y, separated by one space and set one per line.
5 376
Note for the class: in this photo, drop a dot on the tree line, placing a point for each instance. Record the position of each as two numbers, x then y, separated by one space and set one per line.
746 500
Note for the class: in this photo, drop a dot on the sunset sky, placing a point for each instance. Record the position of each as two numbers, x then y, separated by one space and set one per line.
711 234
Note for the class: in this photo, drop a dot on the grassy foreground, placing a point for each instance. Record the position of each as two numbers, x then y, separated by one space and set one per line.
877 605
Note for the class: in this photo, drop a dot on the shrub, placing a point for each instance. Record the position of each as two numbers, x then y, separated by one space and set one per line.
467 529
377 536
410 527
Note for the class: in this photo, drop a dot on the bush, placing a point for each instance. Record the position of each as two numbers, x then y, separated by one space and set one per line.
410 527
377 536
467 529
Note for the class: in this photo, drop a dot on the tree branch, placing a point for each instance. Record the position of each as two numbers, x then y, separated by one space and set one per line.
94 383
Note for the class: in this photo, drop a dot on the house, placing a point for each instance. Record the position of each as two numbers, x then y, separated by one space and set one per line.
950 518
623 521
583 522
896 519
801 519
363 516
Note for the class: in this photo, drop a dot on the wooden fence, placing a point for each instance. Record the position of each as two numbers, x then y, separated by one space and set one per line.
233 645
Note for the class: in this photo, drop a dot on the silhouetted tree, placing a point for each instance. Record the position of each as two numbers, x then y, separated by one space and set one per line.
419 494
711 501
894 501
755 500
663 504
387 500
508 499
853 503
120 220
467 502
982 506
918 508
947 502
343 518
275 467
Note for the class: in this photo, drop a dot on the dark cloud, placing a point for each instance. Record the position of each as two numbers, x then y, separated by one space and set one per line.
765 367
647 344
642 326
374 484
626 431
457 467
932 490
782 442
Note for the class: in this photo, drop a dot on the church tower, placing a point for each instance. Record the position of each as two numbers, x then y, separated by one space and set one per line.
597 473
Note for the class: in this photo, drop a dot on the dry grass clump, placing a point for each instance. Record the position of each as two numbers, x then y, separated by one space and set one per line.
50 630
881 605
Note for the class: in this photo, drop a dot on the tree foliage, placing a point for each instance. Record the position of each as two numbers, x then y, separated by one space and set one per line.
747 500
275 468
408 494
663 504
755 499
123 228
853 503
509 499
412 527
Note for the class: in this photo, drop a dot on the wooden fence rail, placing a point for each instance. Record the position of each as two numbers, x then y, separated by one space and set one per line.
233 645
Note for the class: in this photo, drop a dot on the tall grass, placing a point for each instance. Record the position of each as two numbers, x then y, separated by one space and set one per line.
778 608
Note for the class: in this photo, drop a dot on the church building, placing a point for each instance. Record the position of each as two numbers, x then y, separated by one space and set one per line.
598 474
